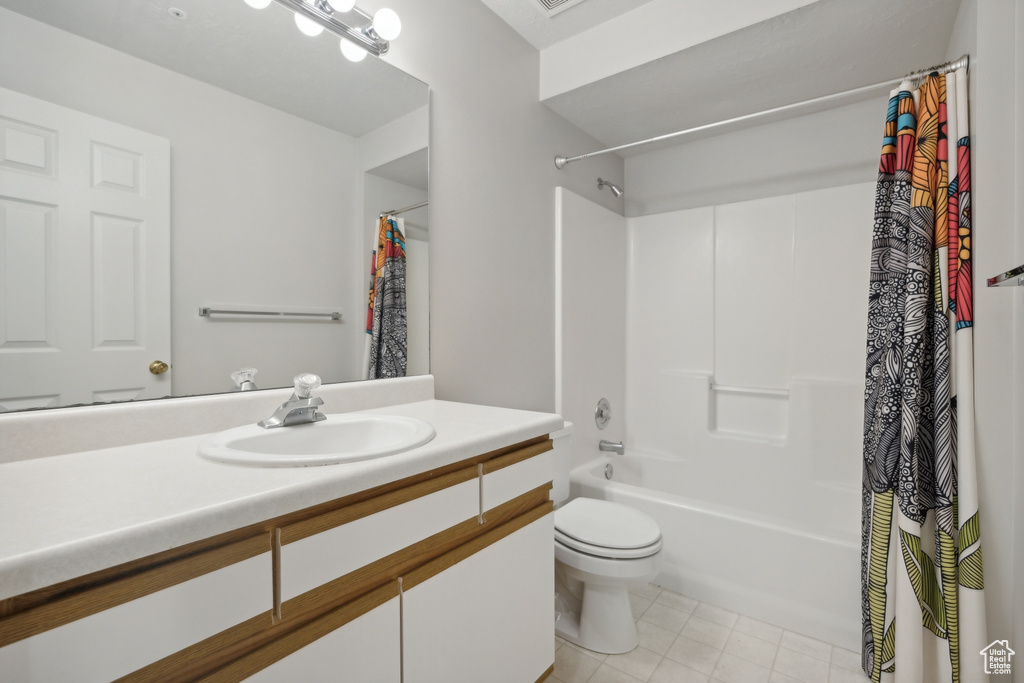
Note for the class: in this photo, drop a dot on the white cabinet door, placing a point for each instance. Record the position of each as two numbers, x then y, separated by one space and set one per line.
84 257
504 484
321 558
488 618
365 650
120 640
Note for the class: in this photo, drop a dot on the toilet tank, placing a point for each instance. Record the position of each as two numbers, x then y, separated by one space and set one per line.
562 440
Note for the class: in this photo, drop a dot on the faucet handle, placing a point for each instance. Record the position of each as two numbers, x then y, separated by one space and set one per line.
305 383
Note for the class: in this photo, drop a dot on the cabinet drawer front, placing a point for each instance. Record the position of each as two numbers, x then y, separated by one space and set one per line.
316 560
117 641
504 484
366 649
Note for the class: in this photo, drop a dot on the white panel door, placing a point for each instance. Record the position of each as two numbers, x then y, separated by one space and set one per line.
84 257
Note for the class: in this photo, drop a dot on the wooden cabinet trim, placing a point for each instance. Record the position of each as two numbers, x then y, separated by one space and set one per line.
379 491
365 508
345 512
59 609
436 566
339 601
502 461
35 612
400 563
219 647
300 637
76 592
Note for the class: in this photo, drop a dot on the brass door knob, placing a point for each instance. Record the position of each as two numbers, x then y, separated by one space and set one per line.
158 367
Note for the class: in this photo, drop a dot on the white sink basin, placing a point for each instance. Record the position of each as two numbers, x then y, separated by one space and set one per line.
339 438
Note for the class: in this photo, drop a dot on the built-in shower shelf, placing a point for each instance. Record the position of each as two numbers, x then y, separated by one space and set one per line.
1010 277
754 391
749 413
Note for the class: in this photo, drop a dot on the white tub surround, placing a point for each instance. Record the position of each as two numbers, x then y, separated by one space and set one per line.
92 523
794 572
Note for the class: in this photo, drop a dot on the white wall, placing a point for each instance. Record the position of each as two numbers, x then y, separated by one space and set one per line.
492 194
996 351
234 241
827 149
1018 306
590 311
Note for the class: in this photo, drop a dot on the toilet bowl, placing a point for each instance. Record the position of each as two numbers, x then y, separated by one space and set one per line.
601 549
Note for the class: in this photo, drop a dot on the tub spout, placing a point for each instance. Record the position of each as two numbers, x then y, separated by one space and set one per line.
612 446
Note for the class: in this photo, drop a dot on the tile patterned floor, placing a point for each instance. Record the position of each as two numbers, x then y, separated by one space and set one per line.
686 641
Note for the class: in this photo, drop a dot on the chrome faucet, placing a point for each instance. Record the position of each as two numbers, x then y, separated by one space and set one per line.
301 408
612 447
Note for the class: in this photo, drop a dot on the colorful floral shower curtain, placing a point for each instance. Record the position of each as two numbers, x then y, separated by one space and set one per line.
386 327
922 585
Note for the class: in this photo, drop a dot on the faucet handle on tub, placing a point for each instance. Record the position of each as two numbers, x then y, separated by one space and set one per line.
603 413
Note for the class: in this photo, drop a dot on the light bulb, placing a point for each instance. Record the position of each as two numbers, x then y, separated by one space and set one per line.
257 4
352 52
342 5
308 26
387 24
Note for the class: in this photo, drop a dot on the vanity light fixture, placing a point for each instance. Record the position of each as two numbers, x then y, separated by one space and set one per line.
370 36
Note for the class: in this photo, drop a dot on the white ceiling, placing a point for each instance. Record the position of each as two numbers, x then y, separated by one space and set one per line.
820 49
258 54
531 20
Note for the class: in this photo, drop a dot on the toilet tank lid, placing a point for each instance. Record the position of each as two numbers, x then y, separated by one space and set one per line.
606 524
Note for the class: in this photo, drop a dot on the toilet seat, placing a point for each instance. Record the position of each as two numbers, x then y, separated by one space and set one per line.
606 529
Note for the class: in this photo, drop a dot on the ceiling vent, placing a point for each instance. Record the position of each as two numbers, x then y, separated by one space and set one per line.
553 7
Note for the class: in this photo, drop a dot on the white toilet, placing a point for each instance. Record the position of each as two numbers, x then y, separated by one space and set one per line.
601 549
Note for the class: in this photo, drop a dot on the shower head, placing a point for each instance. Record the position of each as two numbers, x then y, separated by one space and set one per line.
616 190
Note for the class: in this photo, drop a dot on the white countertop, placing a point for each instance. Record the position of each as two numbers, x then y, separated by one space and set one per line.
69 515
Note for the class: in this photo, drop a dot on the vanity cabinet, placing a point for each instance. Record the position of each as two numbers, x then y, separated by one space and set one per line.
141 617
445 575
364 650
478 619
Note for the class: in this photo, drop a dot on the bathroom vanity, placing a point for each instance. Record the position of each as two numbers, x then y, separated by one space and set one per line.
147 562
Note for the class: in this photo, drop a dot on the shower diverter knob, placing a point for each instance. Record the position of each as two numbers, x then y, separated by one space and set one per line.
603 413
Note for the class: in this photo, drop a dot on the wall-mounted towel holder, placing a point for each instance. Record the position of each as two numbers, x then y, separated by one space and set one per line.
1010 277
206 312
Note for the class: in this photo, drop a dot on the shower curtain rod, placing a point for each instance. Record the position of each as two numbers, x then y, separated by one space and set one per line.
963 62
395 212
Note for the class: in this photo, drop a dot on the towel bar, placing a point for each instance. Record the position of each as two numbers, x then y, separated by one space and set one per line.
207 312
1004 279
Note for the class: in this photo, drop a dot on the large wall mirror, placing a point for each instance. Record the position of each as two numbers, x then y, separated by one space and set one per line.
164 156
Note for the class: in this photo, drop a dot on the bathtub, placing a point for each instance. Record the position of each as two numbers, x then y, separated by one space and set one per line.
793 569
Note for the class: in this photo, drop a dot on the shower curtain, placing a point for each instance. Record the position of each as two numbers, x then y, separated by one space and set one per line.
386 327
922 586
